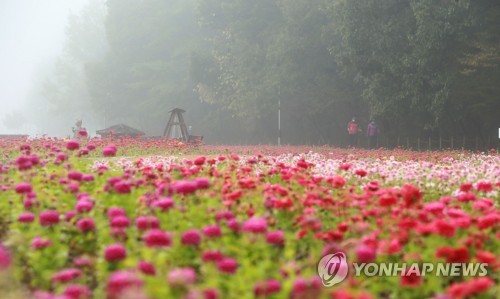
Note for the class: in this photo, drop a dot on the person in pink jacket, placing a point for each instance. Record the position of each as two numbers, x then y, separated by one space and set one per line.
372 132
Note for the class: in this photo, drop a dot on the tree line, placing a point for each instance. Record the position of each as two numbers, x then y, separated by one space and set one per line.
419 67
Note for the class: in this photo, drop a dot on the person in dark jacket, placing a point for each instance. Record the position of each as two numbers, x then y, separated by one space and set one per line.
372 132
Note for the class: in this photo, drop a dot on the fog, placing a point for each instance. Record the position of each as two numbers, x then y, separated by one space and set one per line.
32 34
247 72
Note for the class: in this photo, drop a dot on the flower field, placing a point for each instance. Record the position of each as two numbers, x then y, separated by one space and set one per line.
156 219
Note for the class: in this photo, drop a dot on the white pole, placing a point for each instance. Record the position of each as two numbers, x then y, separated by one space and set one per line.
279 115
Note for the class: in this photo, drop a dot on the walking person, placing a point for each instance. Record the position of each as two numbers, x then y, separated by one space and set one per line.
353 130
372 132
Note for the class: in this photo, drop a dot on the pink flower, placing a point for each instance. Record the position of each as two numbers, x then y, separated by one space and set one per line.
77 291
26 217
119 222
121 282
185 187
115 253
109 151
5 258
72 145
181 277
84 206
86 224
227 265
146 222
147 268
227 215
122 187
306 289
276 238
75 175
88 178
163 204
39 243
365 254
255 225
267 288
66 275
23 188
202 183
48 218
157 238
212 256
191 237
115 211
82 262
212 231
233 225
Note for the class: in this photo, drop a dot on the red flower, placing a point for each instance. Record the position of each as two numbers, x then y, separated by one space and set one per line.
387 198
411 194
459 255
412 279
484 186
444 228
361 172
199 161
488 221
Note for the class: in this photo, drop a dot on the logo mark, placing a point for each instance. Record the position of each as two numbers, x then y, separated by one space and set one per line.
333 269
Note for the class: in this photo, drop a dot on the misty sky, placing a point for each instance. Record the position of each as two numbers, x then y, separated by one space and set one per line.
31 34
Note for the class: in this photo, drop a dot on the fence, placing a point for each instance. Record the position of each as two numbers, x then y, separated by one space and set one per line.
436 143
